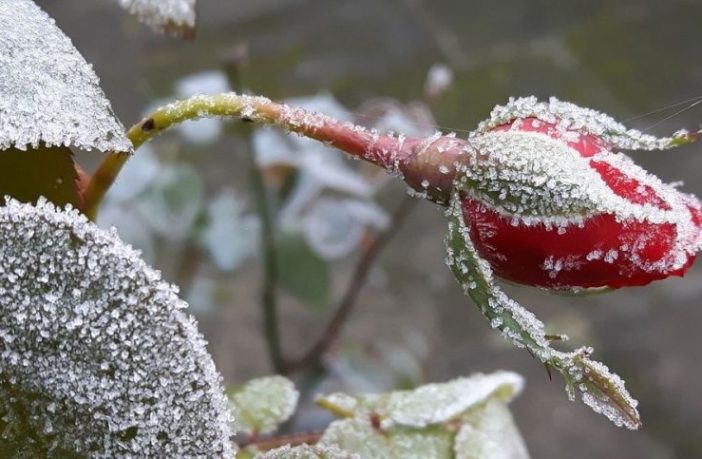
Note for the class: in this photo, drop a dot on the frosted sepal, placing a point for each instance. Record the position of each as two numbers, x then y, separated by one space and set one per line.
599 389
571 117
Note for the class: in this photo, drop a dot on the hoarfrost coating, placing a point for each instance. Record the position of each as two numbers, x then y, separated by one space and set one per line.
550 203
48 93
169 15
96 354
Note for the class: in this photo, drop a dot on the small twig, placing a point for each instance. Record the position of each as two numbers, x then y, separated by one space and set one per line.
358 279
282 440
269 286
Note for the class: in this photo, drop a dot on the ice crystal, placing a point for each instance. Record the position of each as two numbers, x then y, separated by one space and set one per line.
599 389
48 93
174 16
97 357
264 403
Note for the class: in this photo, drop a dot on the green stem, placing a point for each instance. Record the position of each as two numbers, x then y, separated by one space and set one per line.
382 150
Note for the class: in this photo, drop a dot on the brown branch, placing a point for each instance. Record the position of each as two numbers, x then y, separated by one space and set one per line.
358 279
269 443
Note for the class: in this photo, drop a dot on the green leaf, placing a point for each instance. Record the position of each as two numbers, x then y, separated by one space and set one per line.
359 436
430 404
424 422
48 172
489 433
262 404
301 272
306 452
174 202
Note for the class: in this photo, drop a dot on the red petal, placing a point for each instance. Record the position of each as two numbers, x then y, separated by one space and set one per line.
534 255
627 187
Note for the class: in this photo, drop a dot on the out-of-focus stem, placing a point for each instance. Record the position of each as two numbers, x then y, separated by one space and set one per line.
349 300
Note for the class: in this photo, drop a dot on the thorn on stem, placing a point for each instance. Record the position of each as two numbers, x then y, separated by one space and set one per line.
548 371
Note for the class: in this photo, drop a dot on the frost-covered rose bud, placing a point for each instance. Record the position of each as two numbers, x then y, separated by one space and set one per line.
550 203
548 198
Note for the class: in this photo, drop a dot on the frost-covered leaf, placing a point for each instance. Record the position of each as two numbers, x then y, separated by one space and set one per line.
334 228
307 452
48 93
599 389
174 201
175 17
359 435
422 423
264 403
301 272
429 404
97 357
48 172
330 230
230 236
490 433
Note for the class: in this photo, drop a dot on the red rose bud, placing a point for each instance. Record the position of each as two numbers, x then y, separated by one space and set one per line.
550 204
548 201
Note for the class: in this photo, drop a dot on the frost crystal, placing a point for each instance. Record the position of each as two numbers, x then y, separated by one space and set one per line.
48 93
97 357
175 16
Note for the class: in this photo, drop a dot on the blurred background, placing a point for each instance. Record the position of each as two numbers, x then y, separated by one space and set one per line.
413 66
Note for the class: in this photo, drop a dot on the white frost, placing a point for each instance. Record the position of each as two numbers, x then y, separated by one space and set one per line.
48 93
163 14
97 346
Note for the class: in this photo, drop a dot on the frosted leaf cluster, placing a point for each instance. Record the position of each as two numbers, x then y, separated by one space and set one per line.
175 16
48 93
97 357
431 403
264 403
598 387
570 117
465 418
